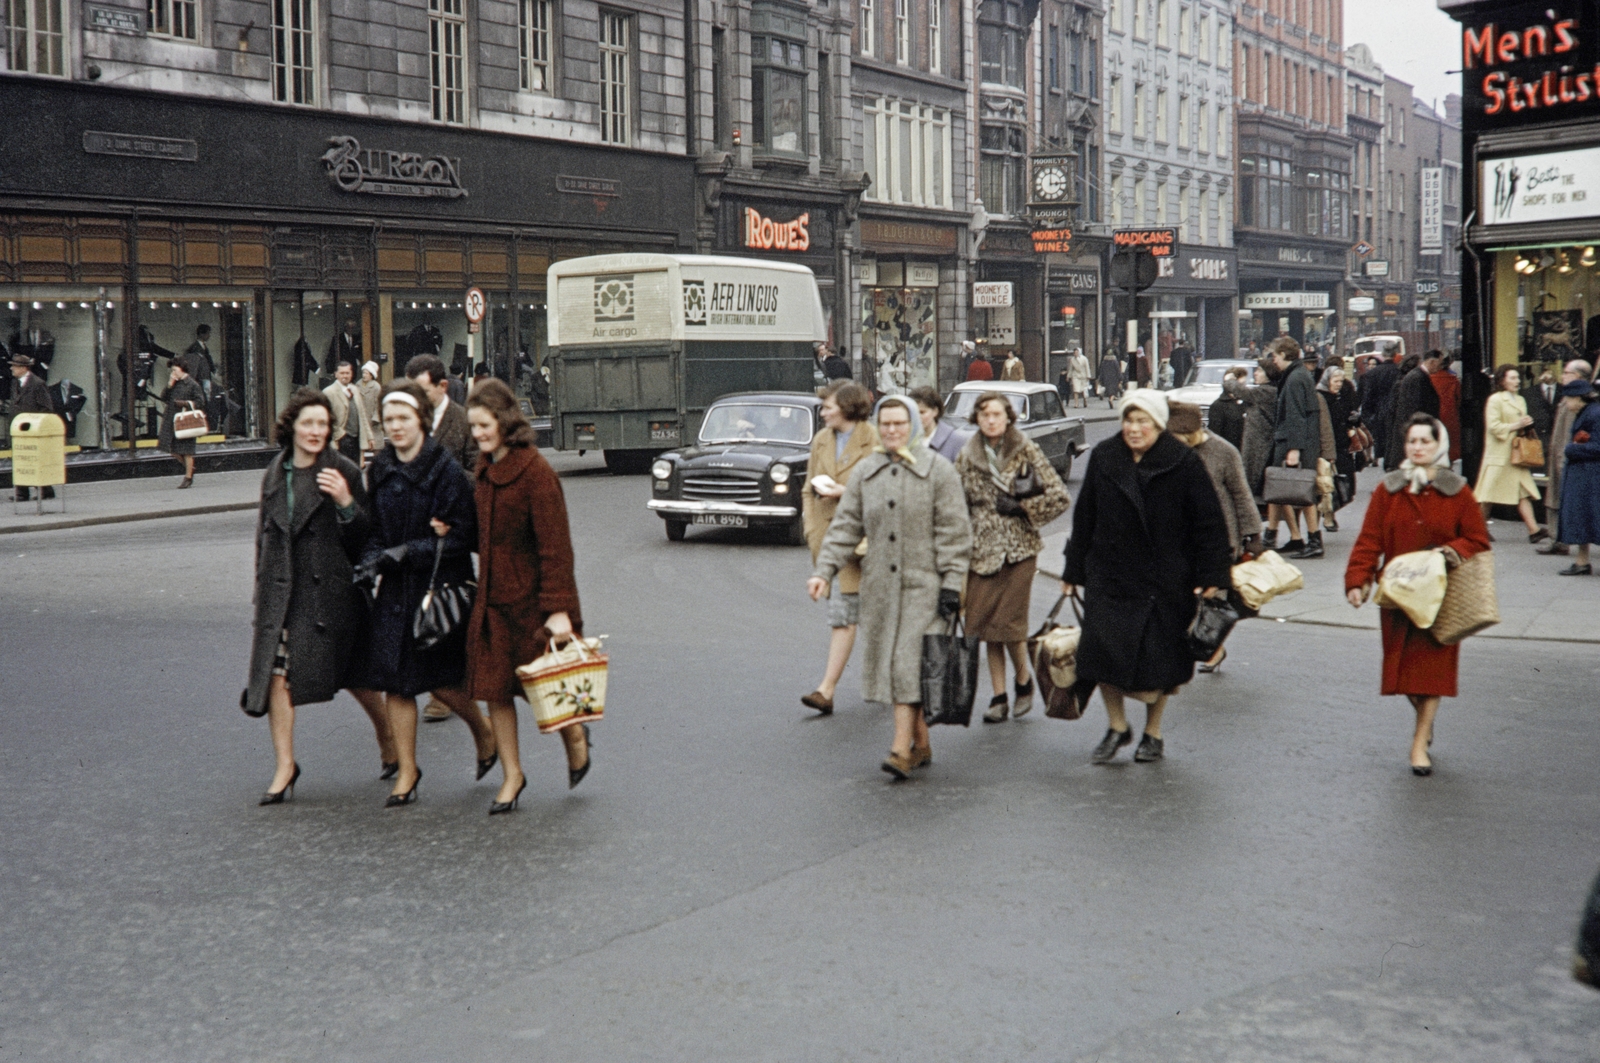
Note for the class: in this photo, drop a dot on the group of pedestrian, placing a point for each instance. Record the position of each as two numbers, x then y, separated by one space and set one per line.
1076 381
346 557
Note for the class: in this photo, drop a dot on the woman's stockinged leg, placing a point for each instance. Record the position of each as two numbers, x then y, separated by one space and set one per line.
503 720
280 717
1427 708
1525 511
997 666
372 703
1152 717
577 746
906 718
403 729
1116 711
1019 662
840 645
467 709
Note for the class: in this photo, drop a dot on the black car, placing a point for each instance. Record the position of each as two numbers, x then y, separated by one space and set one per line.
745 470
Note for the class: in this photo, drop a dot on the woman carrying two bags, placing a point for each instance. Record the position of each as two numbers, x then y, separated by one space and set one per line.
1420 506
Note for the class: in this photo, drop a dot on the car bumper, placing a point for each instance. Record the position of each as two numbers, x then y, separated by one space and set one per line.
675 508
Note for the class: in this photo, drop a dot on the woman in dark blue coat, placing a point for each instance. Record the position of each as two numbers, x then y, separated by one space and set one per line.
1580 482
422 506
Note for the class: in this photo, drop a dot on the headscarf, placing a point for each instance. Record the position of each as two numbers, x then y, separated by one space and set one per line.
1326 383
1151 401
1417 475
918 442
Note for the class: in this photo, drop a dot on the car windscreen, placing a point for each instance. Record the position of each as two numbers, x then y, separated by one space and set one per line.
1204 375
731 422
960 403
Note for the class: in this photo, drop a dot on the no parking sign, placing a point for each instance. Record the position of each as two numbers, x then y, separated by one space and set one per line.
475 306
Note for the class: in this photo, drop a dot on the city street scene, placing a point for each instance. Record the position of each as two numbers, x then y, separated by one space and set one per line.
1037 530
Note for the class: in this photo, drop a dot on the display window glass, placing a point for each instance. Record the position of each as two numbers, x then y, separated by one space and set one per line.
312 332
60 328
899 338
1547 306
520 360
214 329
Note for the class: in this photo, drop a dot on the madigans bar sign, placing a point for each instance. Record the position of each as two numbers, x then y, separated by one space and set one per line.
1530 62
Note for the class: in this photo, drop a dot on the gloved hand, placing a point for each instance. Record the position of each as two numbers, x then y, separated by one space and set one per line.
391 559
949 603
366 574
1007 506
1251 547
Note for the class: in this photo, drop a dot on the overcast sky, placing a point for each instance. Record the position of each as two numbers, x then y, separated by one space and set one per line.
1412 40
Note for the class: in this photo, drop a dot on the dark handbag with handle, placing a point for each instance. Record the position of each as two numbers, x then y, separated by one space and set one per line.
1286 486
1214 618
949 676
444 608
1025 484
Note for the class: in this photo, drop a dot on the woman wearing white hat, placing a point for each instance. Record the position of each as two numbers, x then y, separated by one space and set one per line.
370 391
1148 535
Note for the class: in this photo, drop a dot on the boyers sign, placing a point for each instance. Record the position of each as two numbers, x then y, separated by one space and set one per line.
1530 62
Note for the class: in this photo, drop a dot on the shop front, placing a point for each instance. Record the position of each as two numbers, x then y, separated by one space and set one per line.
1074 323
1193 303
752 222
1530 281
1290 289
143 227
1007 256
913 316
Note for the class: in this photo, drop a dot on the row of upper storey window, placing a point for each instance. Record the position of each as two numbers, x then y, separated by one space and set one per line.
1194 30
1277 81
1200 124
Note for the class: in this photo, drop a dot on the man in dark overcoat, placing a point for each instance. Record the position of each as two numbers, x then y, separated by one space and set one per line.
1296 443
1414 394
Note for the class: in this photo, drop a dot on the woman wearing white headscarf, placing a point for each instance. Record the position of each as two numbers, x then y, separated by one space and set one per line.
1148 535
1422 505
908 503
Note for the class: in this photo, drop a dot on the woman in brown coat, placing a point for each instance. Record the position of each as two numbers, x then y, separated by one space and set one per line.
527 594
845 438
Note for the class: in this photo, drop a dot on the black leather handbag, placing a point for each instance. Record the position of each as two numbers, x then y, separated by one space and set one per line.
444 609
949 676
1025 484
1214 618
1286 486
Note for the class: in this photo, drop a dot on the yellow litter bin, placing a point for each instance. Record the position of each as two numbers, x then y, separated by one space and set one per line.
39 453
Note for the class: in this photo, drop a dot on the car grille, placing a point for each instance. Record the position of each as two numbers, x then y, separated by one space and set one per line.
714 488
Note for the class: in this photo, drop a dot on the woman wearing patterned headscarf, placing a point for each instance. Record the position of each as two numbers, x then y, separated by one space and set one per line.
908 503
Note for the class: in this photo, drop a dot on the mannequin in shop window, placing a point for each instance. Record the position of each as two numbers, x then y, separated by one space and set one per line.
305 366
346 345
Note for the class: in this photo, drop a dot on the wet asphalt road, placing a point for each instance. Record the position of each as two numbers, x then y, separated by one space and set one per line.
736 880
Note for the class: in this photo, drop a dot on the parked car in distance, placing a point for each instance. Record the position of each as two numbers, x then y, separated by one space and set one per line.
746 468
1040 416
1383 344
1203 386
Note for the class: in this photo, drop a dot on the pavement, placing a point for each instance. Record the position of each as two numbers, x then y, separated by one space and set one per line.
736 880
120 501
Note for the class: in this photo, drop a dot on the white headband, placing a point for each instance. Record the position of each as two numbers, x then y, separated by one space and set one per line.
400 396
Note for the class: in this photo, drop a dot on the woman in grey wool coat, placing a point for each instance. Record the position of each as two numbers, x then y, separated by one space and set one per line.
310 619
1260 421
908 503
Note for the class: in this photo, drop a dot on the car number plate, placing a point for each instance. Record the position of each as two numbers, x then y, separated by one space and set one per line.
722 520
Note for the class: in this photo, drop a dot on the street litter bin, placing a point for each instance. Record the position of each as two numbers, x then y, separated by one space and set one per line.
38 450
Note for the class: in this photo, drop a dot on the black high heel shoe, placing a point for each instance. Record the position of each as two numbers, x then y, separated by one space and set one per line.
391 768
270 798
409 797
575 775
486 766
499 807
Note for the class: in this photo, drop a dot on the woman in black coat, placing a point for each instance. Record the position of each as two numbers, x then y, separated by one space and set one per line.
310 620
182 393
422 507
1148 535
1338 394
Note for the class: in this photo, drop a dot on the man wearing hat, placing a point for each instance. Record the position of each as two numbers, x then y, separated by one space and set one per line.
31 395
1556 454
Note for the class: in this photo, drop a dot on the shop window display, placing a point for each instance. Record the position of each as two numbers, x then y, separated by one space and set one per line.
215 331
312 332
434 323
59 328
900 338
1553 314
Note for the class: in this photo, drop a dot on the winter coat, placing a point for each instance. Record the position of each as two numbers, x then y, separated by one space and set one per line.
1297 420
1144 536
371 402
914 518
946 440
1110 373
1556 462
1375 392
1078 371
405 495
454 434
1580 486
525 571
1005 540
1414 394
349 415
1341 407
816 511
1398 522
32 395
1447 386
1226 419
178 397
1500 482
1012 369
1226 470
1260 409
303 585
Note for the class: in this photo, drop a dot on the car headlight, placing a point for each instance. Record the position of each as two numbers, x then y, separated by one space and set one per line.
779 473
662 469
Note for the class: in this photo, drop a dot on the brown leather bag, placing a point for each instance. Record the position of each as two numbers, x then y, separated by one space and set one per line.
1527 452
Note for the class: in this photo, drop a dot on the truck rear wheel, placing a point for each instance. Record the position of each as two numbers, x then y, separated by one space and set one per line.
629 462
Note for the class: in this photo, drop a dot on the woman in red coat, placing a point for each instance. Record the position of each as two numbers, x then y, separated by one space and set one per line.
527 593
1422 505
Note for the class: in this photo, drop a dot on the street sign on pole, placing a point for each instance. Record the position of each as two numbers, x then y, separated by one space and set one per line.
474 305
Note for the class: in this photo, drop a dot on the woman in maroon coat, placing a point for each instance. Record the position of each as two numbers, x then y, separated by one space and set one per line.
527 594
1422 505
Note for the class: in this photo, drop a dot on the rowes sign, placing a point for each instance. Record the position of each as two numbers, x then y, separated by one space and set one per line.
1530 62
